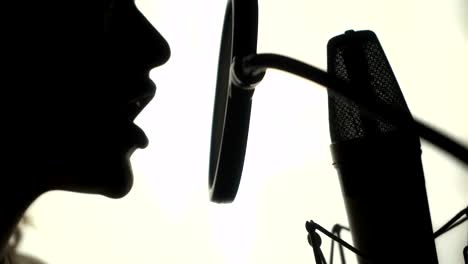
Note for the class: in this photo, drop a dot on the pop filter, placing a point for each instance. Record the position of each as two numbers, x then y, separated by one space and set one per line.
240 69
233 100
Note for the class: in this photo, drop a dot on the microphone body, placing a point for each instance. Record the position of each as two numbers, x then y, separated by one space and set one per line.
379 165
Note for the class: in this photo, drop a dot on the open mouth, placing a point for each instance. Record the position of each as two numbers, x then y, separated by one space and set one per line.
134 107
136 134
137 104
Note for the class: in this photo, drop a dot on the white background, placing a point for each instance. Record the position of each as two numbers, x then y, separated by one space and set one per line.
288 177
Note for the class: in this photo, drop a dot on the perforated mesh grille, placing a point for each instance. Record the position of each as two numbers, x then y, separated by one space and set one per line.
358 58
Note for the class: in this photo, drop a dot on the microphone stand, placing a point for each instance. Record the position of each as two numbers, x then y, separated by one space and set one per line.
458 219
336 230
315 241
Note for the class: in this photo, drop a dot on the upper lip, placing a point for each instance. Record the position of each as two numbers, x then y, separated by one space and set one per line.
137 102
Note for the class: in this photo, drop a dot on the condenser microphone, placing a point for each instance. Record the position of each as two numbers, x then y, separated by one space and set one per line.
379 164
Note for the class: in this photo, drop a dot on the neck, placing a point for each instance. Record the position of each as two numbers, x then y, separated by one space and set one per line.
13 204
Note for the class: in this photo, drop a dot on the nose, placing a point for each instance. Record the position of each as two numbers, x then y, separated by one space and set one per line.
133 44
163 48
154 49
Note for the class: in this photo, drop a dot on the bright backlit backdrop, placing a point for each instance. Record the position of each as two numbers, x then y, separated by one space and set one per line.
288 177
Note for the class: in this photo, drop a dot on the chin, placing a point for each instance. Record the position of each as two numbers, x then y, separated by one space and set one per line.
111 178
116 193
118 182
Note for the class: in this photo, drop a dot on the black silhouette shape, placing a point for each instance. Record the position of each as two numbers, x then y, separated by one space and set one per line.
70 98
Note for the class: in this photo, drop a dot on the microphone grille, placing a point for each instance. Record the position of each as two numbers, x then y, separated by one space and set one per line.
358 58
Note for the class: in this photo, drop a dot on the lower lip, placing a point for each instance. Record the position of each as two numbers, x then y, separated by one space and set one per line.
138 136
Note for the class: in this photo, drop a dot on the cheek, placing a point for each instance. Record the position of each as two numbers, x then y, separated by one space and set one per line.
72 142
55 125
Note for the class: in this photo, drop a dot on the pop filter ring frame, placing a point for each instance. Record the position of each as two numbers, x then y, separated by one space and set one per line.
233 101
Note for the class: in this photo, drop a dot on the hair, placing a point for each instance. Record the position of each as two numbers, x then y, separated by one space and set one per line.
13 255
17 236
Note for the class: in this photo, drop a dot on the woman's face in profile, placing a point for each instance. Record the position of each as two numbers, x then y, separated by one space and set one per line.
82 98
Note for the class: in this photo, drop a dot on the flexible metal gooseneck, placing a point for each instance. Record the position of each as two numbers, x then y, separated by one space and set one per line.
257 64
